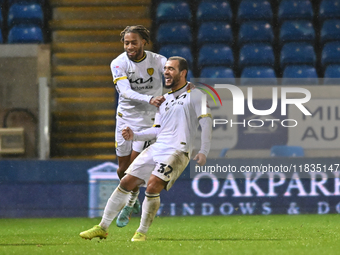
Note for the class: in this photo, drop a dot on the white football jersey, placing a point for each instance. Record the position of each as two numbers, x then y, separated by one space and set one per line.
145 78
178 118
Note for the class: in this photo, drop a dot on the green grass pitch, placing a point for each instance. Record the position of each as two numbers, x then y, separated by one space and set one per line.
275 234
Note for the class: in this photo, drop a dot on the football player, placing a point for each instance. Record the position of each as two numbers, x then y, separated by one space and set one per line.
159 165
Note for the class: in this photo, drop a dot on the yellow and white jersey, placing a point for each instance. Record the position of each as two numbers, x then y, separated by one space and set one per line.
137 82
178 119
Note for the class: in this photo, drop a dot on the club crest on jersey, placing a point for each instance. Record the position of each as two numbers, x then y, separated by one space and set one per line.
150 71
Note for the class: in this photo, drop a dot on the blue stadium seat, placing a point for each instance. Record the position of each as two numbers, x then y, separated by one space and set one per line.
177 50
330 31
297 54
287 151
25 14
256 31
256 54
218 72
329 9
258 75
299 75
175 32
25 34
173 11
215 55
215 32
254 10
214 11
10 2
295 9
332 71
330 54
332 75
297 31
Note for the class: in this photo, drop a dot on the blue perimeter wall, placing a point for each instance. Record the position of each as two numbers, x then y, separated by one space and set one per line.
55 188
32 188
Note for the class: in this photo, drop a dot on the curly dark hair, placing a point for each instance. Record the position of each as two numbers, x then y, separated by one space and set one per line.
139 29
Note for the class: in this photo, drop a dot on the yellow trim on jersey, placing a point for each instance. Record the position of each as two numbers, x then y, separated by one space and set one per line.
120 114
118 79
157 126
170 92
140 60
204 116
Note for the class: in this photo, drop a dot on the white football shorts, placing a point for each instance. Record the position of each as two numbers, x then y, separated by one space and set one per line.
167 164
123 147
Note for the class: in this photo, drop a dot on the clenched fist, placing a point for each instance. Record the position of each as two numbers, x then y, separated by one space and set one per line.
157 101
127 134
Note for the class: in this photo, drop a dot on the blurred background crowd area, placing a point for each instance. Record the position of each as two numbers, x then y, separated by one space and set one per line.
234 40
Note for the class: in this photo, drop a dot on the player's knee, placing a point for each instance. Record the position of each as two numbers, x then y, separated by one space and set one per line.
155 186
130 182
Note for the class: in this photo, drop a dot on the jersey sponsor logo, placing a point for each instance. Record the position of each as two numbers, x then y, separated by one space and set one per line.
142 87
168 105
141 80
150 71
180 96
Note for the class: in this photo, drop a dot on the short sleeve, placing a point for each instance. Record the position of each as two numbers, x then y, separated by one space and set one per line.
118 70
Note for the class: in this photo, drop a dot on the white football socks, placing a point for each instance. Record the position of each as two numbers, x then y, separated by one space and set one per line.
133 198
150 207
113 206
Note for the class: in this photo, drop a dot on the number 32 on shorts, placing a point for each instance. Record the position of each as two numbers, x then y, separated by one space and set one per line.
165 169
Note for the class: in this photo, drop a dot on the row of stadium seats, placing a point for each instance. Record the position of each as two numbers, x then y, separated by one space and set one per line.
212 33
10 2
249 32
293 53
24 21
220 10
261 75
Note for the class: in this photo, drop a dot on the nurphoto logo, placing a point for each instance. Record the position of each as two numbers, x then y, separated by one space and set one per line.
238 100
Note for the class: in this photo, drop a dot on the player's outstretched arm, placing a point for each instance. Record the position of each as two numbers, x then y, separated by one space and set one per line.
124 88
149 133
127 133
206 126
205 121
